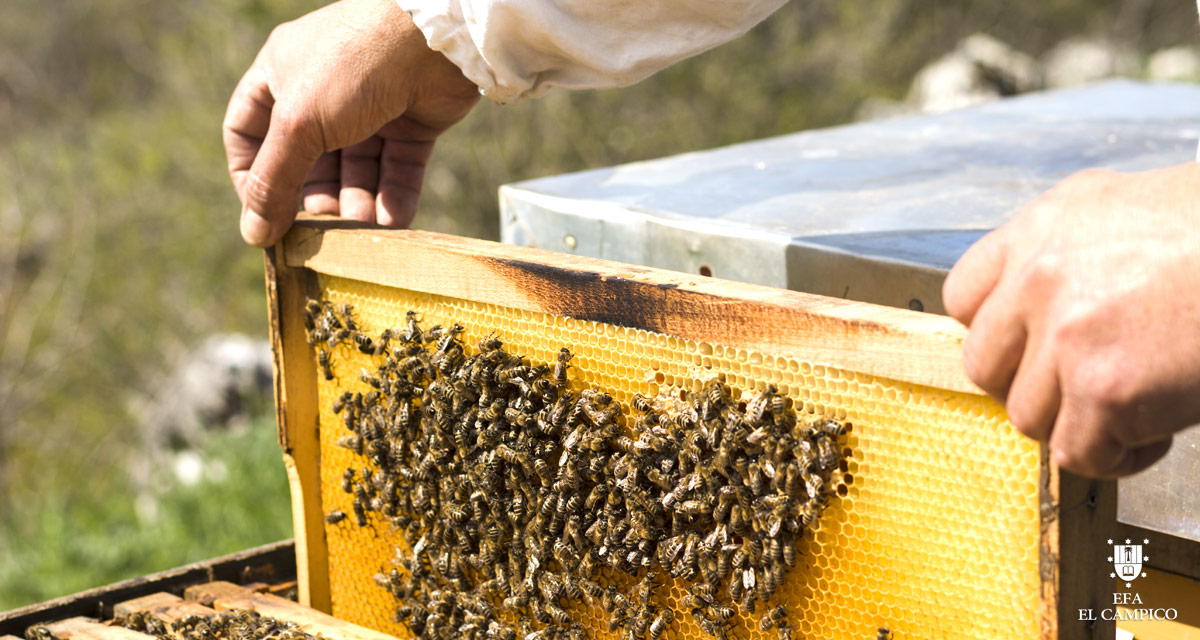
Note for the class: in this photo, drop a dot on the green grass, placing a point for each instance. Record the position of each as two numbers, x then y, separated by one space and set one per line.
59 543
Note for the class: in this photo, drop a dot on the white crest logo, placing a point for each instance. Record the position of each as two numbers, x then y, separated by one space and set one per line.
1127 559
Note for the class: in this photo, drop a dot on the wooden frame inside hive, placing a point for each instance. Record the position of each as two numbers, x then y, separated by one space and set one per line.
912 355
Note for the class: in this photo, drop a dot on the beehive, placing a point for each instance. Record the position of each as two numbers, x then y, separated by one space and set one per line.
944 525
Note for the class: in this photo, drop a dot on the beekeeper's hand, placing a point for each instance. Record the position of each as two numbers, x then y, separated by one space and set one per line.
1084 316
339 113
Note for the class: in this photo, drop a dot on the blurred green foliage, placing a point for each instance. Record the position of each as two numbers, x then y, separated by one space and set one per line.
65 541
119 247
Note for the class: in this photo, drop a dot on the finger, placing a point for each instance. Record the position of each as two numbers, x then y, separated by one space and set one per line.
1145 456
360 179
247 120
1111 459
272 185
975 275
1084 440
320 193
1079 442
996 342
1035 395
406 150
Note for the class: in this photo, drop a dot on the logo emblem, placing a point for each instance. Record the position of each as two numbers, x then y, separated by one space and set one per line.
1127 559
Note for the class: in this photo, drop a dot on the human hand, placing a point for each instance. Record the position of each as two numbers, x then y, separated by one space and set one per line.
1084 316
339 112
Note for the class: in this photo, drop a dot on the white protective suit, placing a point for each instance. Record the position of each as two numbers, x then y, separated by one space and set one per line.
515 49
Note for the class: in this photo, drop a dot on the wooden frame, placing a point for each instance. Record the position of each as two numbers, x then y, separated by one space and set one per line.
892 343
272 563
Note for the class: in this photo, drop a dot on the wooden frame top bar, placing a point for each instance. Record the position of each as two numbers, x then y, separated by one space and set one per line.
892 343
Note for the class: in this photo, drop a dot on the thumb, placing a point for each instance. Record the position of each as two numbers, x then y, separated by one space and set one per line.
271 188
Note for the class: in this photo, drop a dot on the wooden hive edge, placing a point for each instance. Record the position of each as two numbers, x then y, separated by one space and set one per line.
167 607
898 344
297 420
224 595
82 628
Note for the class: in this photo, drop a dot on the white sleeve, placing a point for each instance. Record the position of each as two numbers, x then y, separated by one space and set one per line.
515 49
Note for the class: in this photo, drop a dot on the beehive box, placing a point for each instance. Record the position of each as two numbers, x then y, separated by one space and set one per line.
945 522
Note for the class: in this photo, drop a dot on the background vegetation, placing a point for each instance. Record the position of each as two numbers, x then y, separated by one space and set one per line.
119 246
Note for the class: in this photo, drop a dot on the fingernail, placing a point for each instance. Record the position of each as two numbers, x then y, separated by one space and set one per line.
255 228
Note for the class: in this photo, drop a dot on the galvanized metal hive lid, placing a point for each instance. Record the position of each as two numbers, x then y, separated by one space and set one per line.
907 195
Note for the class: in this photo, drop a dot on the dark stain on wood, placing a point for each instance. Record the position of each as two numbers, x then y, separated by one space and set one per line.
587 295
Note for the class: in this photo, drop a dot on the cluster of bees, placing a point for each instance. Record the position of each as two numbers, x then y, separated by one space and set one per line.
234 624
520 497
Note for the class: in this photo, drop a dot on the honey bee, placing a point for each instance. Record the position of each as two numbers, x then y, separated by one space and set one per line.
519 418
641 621
789 550
340 403
334 517
448 338
351 442
312 308
784 630
591 588
814 484
346 311
545 388
755 479
714 392
618 619
360 506
774 550
827 453
364 343
747 603
757 407
833 428
808 514
412 333
490 343
773 617
318 335
323 361
883 634
692 508
337 337
736 589
641 403
709 626
720 612
560 366
660 624
558 615
777 404
542 468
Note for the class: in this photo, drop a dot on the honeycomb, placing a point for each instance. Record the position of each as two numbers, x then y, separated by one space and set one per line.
934 532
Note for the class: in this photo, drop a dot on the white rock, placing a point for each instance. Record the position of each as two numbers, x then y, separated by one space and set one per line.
1079 61
188 467
950 82
1007 69
212 386
1176 64
981 68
